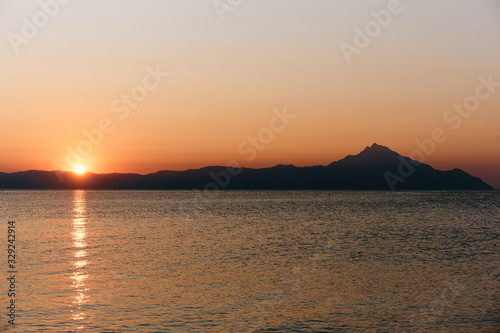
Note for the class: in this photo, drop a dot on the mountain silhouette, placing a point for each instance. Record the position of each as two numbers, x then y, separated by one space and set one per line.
375 155
375 168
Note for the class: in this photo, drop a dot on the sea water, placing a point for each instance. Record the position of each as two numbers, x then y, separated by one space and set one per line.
252 261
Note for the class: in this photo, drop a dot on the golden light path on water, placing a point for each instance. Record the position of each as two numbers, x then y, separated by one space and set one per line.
79 273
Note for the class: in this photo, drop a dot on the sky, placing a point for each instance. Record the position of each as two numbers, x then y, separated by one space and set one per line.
143 85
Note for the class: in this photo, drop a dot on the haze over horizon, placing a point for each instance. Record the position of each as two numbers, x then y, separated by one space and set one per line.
269 84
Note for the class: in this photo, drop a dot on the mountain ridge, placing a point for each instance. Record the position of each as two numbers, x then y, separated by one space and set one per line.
375 168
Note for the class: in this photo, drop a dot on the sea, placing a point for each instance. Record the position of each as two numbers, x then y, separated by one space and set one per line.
249 261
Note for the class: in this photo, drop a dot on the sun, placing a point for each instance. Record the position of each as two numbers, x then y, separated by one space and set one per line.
80 169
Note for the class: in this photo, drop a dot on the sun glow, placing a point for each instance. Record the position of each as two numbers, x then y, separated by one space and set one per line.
80 169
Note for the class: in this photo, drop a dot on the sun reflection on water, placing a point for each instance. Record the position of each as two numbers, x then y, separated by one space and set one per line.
79 272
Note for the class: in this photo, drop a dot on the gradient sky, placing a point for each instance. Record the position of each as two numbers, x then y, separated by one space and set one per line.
227 76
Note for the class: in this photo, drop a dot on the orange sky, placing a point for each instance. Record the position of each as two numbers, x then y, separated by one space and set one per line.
227 76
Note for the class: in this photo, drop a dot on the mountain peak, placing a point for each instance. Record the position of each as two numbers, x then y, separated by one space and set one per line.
376 148
374 155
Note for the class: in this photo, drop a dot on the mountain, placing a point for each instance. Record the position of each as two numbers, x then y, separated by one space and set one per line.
375 168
